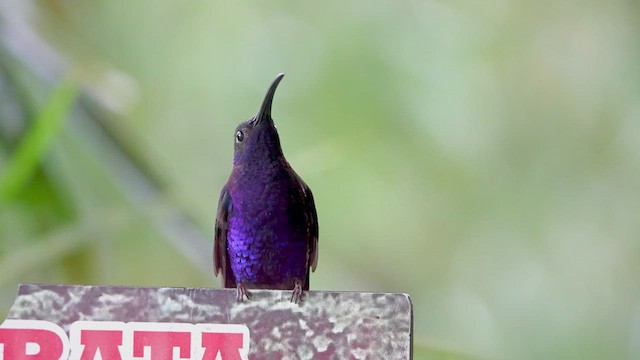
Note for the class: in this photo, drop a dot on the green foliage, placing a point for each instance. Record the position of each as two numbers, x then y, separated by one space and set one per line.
34 145
422 352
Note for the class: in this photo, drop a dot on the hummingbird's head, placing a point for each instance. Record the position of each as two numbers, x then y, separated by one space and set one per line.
257 138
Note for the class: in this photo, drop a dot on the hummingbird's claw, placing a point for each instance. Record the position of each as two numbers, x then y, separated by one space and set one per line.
243 292
296 297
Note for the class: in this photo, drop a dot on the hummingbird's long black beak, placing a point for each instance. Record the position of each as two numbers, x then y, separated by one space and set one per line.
265 110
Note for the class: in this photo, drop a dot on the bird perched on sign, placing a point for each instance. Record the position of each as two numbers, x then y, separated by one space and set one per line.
266 232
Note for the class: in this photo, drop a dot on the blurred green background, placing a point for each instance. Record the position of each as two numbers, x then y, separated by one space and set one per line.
482 156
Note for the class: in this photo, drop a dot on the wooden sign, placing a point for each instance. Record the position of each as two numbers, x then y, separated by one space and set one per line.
60 322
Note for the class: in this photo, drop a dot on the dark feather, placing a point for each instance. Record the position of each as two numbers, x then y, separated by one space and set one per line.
312 228
220 256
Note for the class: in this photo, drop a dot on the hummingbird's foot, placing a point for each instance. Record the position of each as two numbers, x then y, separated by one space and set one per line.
243 292
296 297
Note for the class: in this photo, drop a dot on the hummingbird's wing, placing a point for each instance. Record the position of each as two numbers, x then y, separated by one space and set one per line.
312 225
220 255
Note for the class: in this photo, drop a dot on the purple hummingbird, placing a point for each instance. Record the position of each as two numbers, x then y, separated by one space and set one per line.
266 232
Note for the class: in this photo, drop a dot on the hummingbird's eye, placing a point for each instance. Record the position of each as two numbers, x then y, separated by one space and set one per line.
239 136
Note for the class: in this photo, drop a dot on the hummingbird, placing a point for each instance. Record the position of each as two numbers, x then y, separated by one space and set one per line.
266 229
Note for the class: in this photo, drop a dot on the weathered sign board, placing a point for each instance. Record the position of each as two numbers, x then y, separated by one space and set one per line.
60 322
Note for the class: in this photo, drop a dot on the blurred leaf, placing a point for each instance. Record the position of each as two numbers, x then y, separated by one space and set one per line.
56 245
35 143
424 352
